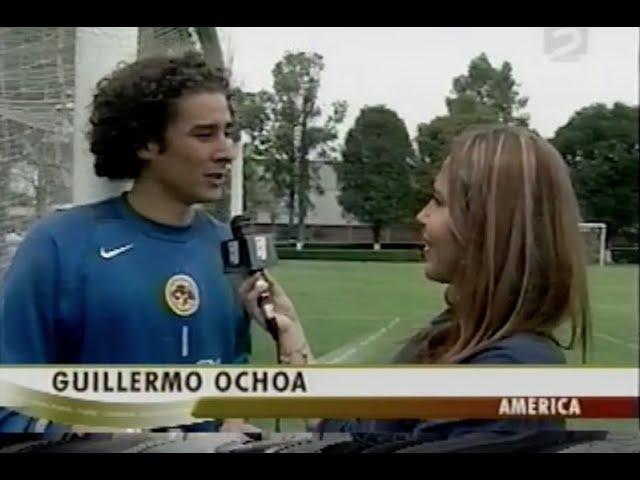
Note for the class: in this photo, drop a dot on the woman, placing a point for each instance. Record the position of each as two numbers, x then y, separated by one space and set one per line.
502 232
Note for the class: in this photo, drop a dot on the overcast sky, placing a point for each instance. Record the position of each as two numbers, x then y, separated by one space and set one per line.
410 69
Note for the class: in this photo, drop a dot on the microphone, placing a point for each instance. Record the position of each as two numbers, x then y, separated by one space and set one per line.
248 253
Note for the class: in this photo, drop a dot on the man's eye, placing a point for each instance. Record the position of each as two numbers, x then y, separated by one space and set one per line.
231 131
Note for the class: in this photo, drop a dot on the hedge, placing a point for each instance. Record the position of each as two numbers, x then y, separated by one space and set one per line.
414 255
625 255
351 246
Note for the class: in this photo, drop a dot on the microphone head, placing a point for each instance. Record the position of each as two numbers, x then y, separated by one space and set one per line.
238 224
247 252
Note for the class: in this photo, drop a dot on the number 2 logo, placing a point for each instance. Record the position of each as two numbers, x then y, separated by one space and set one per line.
565 44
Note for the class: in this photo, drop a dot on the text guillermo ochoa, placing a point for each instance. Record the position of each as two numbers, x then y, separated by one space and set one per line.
178 381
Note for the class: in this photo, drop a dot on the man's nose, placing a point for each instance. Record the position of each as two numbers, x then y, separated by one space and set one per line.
225 155
229 152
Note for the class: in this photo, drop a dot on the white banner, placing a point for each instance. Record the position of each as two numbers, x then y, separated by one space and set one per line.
147 385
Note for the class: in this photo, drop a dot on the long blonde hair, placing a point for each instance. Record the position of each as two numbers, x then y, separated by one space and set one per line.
514 212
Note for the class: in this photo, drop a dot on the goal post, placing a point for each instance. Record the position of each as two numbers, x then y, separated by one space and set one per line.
595 240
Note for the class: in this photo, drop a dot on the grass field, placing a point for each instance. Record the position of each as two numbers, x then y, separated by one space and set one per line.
360 312
346 305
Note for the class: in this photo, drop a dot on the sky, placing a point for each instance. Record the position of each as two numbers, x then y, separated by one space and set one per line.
410 70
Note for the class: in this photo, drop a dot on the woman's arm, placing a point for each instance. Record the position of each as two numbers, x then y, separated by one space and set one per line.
293 347
292 341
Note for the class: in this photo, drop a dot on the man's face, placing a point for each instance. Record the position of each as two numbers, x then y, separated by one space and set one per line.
193 168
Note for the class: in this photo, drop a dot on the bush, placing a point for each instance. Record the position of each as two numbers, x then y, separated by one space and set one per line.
352 246
354 255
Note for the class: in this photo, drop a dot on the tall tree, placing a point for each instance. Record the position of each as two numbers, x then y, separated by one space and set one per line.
485 94
254 121
486 90
600 145
297 131
374 176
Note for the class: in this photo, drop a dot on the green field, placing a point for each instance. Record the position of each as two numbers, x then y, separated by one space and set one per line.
345 306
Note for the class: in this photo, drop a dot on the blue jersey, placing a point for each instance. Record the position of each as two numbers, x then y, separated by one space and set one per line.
100 284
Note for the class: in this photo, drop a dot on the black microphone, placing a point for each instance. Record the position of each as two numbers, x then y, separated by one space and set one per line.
249 253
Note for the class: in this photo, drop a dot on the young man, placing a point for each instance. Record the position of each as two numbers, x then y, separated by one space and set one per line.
138 278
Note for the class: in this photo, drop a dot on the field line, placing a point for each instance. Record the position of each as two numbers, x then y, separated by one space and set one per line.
610 306
615 340
348 350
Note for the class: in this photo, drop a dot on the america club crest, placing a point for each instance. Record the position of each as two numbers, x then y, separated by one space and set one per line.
182 296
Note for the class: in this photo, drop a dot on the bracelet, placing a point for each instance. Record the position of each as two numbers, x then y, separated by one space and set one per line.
302 351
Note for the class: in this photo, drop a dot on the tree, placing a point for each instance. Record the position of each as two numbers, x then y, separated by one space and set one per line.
374 176
488 91
485 94
600 145
254 120
296 132
433 143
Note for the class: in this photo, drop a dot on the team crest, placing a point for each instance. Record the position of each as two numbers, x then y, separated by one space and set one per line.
181 294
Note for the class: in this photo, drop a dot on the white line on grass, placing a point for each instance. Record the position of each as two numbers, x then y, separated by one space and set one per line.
606 306
615 340
346 317
354 347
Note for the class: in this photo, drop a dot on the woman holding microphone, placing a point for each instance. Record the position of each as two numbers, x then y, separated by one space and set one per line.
501 231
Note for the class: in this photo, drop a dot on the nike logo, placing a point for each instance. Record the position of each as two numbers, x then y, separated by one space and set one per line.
107 254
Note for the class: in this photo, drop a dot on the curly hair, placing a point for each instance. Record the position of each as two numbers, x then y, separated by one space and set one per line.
134 105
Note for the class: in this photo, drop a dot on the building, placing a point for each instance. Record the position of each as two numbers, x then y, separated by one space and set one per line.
328 222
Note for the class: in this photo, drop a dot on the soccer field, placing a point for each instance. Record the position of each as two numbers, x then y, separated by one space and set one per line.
360 312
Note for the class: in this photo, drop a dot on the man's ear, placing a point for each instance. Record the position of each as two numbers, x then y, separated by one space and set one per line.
149 151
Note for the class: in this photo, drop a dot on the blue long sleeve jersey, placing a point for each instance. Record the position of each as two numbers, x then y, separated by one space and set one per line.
100 284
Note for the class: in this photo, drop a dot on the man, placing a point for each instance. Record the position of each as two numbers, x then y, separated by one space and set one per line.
138 278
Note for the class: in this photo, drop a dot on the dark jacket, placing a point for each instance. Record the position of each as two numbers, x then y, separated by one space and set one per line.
521 348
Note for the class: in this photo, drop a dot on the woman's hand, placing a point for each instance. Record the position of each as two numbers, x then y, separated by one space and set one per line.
284 311
294 349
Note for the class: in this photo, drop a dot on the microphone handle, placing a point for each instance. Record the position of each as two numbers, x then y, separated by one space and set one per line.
265 304
267 309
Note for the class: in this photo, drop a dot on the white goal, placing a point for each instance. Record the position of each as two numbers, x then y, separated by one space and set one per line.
595 236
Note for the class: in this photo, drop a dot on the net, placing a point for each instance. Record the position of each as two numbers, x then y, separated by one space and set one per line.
37 73
594 235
